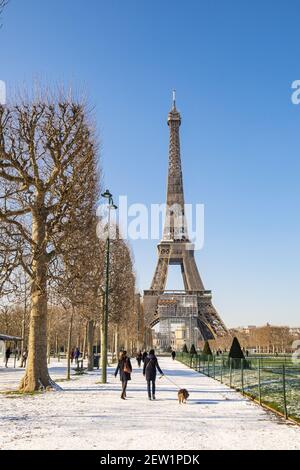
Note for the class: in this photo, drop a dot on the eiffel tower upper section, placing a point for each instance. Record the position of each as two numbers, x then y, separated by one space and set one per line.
175 223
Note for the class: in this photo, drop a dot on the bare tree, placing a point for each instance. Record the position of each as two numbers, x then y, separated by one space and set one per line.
81 259
77 285
44 150
122 292
92 311
3 3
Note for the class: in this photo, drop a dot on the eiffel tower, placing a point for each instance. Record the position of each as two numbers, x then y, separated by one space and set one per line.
191 308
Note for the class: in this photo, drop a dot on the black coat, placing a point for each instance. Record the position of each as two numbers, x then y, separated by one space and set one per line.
124 376
144 356
150 366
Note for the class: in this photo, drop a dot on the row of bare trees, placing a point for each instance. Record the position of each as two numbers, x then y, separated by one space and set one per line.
267 339
49 188
264 339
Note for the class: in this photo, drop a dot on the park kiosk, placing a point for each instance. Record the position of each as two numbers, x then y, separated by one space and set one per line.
4 341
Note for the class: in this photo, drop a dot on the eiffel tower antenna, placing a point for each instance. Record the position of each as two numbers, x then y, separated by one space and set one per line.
174 100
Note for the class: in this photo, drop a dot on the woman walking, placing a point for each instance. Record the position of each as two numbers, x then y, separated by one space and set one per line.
149 371
124 368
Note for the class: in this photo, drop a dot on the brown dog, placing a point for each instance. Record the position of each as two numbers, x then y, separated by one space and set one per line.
183 395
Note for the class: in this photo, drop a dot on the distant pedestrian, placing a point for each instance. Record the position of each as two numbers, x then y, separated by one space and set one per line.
139 358
72 355
7 355
125 369
24 358
149 371
76 355
173 354
145 354
18 353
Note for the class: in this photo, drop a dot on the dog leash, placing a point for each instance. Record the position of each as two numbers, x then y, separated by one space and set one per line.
170 380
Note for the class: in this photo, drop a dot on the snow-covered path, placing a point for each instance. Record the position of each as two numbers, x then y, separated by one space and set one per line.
88 415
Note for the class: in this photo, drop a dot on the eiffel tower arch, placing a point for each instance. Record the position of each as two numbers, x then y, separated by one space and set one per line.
192 308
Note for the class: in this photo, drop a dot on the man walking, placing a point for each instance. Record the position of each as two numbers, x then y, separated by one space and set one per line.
149 371
7 355
144 355
139 358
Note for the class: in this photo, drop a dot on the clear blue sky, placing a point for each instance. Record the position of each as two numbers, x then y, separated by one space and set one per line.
232 63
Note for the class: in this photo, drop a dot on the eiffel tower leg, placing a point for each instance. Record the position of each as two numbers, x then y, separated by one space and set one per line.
209 322
193 279
186 287
160 276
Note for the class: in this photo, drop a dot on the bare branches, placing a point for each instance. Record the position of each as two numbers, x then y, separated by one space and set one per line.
46 151
48 191
3 4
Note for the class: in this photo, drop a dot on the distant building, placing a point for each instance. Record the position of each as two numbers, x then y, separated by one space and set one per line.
295 332
180 337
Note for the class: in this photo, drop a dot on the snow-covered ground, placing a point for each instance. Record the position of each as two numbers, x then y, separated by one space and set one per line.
89 415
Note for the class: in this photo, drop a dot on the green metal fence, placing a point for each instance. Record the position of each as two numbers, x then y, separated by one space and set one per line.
272 381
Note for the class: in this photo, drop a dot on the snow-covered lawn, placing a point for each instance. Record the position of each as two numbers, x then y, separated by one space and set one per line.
89 415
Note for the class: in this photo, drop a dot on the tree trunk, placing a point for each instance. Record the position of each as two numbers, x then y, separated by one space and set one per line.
56 346
116 350
69 346
126 340
84 342
49 342
36 375
90 344
100 338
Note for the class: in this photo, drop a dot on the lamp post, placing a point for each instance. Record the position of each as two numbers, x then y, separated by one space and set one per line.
104 335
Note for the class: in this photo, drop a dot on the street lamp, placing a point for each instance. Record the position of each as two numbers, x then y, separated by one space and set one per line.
104 339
